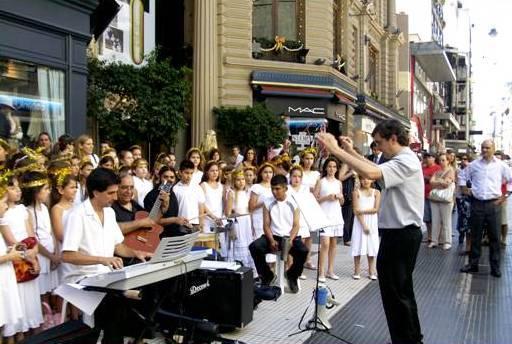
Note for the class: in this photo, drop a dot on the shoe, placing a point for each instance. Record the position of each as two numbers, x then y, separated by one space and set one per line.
469 269
432 245
503 243
333 276
356 276
310 266
447 246
373 277
303 277
293 286
496 273
322 279
347 243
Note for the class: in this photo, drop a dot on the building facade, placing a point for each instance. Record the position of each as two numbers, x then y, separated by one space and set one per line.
436 81
43 63
333 63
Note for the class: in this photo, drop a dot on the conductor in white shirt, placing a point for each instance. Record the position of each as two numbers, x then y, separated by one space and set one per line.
486 175
91 238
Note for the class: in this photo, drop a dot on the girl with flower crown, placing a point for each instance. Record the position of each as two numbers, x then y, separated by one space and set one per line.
35 192
310 177
11 311
17 226
238 204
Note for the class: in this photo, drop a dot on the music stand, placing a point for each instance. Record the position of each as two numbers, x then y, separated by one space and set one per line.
313 325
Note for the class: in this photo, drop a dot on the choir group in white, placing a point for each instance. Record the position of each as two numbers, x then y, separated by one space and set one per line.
238 198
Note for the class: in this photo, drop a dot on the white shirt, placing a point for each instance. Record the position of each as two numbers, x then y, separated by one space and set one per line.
189 198
143 187
486 178
196 177
84 233
402 195
281 215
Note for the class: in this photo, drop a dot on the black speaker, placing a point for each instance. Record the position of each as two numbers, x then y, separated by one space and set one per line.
223 297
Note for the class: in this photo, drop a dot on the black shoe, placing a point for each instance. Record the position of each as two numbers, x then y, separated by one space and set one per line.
293 285
469 269
496 273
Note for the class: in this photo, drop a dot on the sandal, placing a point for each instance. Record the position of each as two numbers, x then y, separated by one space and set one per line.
356 276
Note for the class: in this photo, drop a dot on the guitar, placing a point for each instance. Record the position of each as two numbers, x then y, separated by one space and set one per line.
147 239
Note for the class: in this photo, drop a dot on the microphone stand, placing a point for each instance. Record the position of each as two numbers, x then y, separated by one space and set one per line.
313 325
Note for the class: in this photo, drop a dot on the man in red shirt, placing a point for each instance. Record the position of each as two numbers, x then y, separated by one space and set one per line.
429 168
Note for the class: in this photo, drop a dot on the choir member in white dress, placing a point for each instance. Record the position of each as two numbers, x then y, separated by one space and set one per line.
238 204
258 193
365 233
329 194
194 155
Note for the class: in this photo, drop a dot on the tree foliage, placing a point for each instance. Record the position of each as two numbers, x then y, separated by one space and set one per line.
141 104
254 127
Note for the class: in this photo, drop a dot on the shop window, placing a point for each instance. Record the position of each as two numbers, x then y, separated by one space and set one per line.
37 95
278 29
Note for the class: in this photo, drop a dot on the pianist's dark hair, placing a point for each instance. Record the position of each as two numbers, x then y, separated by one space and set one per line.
100 179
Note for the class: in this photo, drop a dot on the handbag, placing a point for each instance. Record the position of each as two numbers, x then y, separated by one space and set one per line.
24 269
442 195
51 318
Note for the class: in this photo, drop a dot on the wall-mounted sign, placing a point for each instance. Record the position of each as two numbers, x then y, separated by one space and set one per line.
306 110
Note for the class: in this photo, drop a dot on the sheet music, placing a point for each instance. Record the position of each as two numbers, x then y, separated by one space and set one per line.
86 301
214 265
311 211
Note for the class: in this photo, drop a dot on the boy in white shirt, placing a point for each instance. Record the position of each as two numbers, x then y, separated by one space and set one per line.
280 219
190 196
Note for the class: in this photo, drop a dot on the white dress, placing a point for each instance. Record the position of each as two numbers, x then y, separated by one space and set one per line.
365 244
196 177
257 215
48 279
10 305
143 187
332 209
213 201
296 196
309 179
238 249
29 291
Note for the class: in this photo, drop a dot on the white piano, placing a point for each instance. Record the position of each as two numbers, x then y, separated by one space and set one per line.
172 258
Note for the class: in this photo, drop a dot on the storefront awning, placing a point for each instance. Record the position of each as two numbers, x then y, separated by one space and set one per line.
433 60
295 92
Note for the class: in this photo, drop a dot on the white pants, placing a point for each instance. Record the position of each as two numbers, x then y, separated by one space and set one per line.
441 222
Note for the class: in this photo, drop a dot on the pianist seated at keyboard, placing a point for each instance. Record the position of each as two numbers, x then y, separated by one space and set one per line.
91 238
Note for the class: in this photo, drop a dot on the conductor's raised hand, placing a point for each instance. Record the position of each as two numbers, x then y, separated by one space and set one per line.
327 141
346 143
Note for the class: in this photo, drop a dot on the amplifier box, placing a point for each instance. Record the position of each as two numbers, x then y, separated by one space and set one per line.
223 297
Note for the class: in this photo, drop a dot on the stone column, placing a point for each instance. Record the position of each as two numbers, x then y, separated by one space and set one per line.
204 93
391 14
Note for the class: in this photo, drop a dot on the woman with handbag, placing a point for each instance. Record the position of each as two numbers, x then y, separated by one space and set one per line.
441 200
